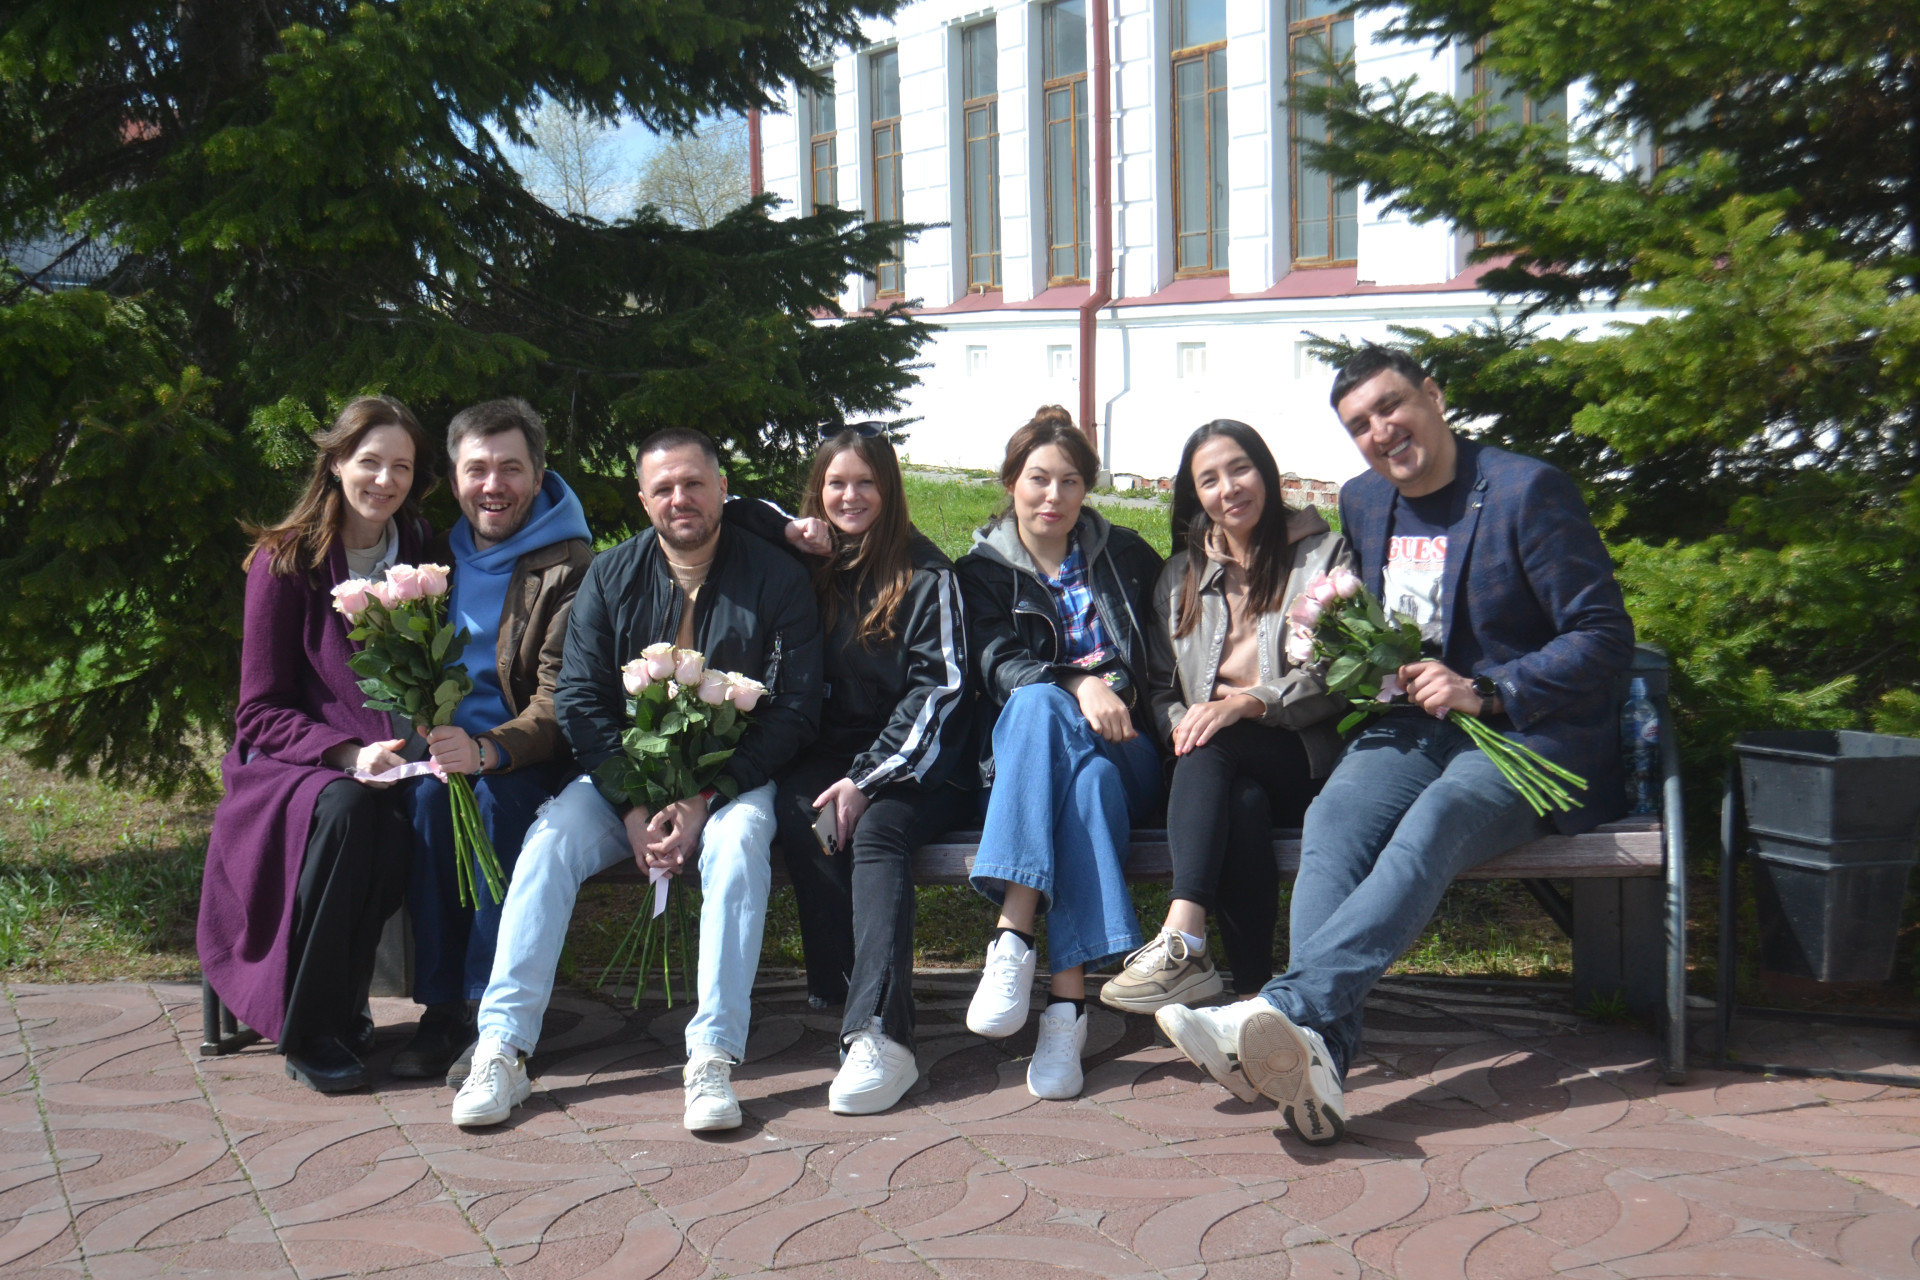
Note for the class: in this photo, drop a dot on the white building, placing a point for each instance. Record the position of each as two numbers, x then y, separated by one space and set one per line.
1228 250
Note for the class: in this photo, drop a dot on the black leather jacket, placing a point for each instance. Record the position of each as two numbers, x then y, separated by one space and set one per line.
902 708
755 615
1016 630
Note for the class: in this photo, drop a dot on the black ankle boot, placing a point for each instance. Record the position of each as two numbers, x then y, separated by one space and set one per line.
445 1029
325 1065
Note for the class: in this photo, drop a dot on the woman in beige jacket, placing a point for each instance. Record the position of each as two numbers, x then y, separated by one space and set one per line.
1252 731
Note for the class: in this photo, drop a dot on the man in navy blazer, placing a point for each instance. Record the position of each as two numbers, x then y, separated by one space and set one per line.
1493 554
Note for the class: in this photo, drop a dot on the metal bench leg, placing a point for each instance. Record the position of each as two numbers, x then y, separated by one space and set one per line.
1618 944
221 1032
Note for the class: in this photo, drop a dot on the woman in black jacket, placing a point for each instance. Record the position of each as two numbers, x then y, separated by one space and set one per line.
1057 599
878 782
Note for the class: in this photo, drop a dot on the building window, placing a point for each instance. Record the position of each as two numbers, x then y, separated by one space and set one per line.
1200 135
980 109
1060 362
888 196
823 147
1501 101
1190 359
1502 104
1064 69
1326 214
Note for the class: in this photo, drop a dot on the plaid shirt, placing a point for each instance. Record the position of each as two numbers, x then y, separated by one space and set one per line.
1086 640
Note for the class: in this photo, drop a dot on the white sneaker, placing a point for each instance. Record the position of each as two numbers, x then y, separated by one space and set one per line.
1000 1002
1291 1065
495 1085
710 1101
1055 1069
1211 1040
877 1073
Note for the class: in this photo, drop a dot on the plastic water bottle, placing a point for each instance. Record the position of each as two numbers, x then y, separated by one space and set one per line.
1640 748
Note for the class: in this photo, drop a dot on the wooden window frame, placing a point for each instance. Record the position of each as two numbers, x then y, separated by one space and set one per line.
890 275
1476 78
1215 221
817 142
1299 31
983 269
1074 85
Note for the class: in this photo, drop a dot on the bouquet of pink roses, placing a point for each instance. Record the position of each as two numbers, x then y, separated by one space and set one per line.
409 664
687 721
1336 620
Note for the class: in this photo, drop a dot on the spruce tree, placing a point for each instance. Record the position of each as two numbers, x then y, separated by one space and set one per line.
1749 172
300 202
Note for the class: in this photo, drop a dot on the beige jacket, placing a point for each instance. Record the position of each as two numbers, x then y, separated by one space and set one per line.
533 636
1184 669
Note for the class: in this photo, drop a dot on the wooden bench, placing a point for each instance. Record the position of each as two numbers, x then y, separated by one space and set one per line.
1614 916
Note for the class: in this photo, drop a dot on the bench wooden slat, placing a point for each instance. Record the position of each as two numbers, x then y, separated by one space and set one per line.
1616 850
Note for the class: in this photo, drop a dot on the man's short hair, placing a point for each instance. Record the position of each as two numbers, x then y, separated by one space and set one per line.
497 417
1370 360
677 438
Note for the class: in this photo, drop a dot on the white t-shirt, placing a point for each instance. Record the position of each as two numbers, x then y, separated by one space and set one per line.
1414 579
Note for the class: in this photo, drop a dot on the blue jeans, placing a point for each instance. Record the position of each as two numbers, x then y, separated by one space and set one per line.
579 835
1060 819
1411 805
452 944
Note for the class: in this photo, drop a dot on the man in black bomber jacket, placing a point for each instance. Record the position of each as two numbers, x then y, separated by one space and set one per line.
695 584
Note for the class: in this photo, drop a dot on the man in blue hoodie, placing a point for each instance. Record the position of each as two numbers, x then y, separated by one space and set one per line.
519 552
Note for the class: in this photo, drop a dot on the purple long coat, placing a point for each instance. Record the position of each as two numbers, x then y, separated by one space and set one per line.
298 700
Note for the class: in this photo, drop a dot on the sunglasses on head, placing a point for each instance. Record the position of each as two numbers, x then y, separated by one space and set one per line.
865 430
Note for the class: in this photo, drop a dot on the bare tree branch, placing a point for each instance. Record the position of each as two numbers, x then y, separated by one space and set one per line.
698 179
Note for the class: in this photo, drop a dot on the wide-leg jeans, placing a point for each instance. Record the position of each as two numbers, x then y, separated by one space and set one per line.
578 835
1412 804
1060 819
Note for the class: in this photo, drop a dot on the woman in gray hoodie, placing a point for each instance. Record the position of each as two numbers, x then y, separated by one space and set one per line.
1252 731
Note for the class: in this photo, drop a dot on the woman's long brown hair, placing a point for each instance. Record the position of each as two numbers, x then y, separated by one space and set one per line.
878 559
1271 556
304 537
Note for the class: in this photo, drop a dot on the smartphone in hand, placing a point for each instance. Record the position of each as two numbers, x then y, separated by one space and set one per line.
826 829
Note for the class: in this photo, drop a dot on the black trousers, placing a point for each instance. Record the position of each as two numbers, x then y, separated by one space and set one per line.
1224 802
856 912
352 878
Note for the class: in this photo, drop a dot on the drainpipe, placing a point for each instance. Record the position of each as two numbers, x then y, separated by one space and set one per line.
755 179
1100 37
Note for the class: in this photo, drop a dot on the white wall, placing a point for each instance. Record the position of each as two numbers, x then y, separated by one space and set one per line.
1164 367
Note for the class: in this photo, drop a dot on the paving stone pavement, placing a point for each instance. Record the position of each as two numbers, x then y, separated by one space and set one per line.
1493 1136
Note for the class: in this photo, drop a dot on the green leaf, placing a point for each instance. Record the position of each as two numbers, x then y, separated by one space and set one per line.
441 639
1351 720
447 694
1375 613
713 758
1345 670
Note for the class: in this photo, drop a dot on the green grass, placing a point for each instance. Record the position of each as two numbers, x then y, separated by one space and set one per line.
95 884
949 511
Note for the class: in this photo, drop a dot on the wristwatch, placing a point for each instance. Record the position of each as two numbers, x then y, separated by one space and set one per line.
1488 692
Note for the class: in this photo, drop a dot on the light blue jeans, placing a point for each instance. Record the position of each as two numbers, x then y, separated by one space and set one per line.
1411 805
1060 819
578 835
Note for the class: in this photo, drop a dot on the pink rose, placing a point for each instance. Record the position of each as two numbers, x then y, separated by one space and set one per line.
687 666
1323 592
635 675
403 582
1345 584
713 688
383 592
433 579
1390 687
744 692
1305 612
659 660
1299 647
351 596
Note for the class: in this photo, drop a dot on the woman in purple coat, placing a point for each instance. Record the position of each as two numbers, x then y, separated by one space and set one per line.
305 864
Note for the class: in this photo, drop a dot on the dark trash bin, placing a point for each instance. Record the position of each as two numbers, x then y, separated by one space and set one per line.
1834 818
